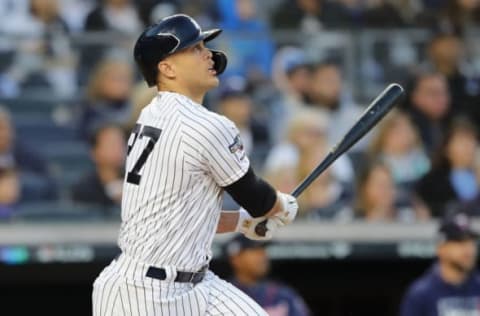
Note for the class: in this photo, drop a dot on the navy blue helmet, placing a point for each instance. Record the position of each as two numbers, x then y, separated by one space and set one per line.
168 36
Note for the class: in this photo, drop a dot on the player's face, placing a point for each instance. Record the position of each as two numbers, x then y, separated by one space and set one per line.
462 254
193 68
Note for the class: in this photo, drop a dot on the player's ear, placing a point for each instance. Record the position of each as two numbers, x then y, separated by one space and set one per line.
166 69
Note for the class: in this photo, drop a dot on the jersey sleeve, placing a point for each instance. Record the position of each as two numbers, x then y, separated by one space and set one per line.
215 146
412 303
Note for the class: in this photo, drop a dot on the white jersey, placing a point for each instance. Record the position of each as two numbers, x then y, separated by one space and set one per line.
180 155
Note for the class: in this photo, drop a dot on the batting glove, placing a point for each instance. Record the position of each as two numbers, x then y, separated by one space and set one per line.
246 225
289 207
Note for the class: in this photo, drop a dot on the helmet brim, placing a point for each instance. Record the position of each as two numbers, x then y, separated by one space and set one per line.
204 36
210 34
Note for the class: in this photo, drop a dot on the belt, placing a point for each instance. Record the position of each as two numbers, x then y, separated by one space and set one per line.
182 277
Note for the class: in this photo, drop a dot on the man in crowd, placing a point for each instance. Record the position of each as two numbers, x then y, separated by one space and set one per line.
250 265
451 286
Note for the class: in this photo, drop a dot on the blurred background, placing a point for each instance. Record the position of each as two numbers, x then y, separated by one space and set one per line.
300 73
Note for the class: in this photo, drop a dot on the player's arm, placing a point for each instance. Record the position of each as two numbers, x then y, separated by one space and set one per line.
228 221
232 221
259 201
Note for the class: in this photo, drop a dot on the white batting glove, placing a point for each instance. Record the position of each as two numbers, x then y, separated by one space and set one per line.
289 207
246 225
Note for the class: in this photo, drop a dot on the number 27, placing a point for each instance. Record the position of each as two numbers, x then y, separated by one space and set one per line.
134 176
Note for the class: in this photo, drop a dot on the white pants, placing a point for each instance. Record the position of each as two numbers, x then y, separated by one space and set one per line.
123 289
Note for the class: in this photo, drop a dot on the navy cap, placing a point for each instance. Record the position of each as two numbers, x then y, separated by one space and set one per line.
457 227
292 59
239 243
233 86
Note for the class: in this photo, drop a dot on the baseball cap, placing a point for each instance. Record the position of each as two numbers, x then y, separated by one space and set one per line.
233 86
291 58
240 243
457 227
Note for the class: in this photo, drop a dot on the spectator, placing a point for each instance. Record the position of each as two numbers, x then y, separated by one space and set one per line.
458 14
117 17
151 11
114 15
237 105
141 96
429 108
9 192
326 198
328 93
103 186
451 286
377 199
250 265
108 96
307 129
398 145
74 13
309 15
35 179
382 14
452 178
44 56
446 55
291 76
250 43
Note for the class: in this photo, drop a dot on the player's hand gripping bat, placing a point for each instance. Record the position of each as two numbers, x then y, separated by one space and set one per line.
372 115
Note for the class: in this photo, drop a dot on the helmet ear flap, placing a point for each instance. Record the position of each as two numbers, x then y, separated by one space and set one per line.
220 61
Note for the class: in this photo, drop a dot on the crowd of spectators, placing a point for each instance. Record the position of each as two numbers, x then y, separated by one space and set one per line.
420 162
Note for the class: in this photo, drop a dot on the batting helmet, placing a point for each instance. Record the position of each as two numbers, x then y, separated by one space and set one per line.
168 36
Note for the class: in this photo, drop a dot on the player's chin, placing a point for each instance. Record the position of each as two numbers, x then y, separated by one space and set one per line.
212 81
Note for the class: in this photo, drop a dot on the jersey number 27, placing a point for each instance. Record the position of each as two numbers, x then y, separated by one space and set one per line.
140 131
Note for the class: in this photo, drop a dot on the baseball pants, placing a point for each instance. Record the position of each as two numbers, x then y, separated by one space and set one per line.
122 289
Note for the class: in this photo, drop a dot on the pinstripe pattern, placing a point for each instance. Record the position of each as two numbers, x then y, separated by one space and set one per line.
169 218
170 209
122 291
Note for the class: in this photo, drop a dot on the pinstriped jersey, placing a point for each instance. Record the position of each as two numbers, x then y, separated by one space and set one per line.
180 155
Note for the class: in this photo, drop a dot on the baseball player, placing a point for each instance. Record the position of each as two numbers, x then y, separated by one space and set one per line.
180 158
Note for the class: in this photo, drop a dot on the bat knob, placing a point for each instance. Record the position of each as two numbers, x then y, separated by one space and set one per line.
261 228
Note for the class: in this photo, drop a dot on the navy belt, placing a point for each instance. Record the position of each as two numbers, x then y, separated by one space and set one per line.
182 277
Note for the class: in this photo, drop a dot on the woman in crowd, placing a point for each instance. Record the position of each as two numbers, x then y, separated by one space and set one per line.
452 178
307 128
377 197
398 145
326 198
108 96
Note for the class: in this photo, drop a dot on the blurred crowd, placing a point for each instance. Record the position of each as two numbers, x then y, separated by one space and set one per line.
421 161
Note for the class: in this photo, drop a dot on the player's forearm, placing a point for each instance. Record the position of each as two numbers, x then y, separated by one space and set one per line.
254 194
228 222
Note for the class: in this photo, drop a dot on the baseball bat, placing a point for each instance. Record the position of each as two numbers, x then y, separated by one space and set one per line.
379 107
